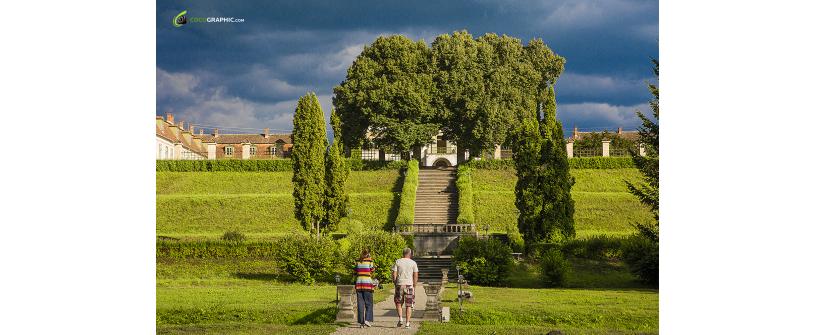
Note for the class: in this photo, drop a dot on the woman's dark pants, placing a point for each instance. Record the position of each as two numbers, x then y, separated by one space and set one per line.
365 306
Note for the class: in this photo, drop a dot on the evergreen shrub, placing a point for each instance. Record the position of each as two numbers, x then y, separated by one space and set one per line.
307 259
641 254
555 269
483 261
385 249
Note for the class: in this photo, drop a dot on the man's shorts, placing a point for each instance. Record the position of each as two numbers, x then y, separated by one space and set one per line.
404 295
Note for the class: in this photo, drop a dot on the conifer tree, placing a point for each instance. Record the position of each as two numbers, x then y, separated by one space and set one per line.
308 162
648 193
528 201
336 174
557 214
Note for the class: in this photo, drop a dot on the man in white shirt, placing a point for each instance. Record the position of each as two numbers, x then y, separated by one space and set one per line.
405 275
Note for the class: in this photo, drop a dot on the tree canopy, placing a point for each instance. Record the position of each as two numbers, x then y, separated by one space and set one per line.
477 91
308 162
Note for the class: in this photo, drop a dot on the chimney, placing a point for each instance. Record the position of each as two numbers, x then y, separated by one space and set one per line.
201 132
192 129
619 130
574 133
265 132
215 132
170 118
181 125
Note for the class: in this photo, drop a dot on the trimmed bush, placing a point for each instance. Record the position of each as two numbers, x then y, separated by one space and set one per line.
263 165
483 261
574 163
231 165
642 257
385 249
555 268
306 258
601 162
407 202
233 236
358 164
464 183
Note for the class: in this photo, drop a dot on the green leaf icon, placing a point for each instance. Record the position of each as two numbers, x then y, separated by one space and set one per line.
180 19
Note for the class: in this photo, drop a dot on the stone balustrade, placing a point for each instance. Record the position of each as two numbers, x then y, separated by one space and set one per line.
437 228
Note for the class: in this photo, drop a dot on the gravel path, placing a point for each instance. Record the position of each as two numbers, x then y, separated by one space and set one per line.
385 316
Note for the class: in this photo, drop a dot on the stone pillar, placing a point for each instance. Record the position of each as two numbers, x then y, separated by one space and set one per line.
642 149
570 148
211 150
245 150
444 276
177 149
432 309
497 154
346 307
606 148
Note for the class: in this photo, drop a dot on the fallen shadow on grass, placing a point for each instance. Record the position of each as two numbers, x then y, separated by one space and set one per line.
263 276
393 212
585 274
320 316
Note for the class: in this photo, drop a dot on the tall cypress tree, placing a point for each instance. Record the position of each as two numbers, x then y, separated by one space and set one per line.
648 193
308 162
557 214
528 201
336 173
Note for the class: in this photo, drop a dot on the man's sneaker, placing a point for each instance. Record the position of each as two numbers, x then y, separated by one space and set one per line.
368 324
399 324
407 325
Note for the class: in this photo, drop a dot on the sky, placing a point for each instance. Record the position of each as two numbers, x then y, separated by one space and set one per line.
246 76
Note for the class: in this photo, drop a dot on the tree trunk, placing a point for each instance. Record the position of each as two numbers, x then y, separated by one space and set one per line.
417 152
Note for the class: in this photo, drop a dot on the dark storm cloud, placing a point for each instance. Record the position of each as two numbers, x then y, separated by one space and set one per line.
249 75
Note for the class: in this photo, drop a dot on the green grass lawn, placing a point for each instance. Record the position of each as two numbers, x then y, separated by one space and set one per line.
602 202
204 205
537 311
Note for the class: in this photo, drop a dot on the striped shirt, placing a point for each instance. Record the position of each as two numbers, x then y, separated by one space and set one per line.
364 271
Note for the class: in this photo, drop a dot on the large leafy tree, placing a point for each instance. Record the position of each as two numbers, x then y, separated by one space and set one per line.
485 87
557 213
308 161
388 91
336 174
648 192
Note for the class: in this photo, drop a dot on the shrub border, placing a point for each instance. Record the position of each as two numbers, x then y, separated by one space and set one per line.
263 165
464 183
407 200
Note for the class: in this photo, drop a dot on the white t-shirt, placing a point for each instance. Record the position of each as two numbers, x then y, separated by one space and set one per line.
405 267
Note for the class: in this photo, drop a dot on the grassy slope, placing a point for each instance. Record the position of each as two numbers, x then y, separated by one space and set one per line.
537 311
602 202
259 204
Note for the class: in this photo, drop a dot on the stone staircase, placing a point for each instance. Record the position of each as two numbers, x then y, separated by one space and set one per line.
430 268
436 197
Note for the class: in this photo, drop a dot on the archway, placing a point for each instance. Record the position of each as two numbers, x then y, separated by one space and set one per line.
442 162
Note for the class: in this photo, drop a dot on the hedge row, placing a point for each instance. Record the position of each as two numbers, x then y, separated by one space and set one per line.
407 202
266 165
214 249
464 183
574 163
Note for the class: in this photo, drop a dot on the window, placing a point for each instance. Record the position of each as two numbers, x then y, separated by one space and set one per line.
228 151
272 151
253 150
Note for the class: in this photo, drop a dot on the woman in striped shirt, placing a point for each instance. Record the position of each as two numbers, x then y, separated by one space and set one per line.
365 289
